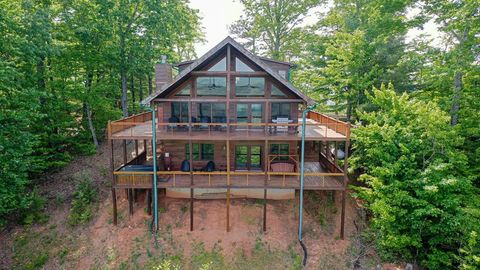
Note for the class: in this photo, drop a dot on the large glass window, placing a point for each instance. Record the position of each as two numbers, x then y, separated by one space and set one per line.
281 110
242 113
249 86
211 86
249 113
179 112
202 151
241 66
219 66
212 113
280 149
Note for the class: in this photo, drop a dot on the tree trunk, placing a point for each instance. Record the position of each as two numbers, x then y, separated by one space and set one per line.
132 88
150 84
88 110
140 88
457 92
90 125
123 74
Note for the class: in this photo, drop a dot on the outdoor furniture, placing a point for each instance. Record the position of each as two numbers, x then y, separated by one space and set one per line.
281 120
210 167
282 167
185 166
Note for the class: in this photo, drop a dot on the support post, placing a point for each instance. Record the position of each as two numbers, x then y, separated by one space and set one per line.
130 201
149 202
114 192
342 225
228 210
136 148
228 184
190 145
265 183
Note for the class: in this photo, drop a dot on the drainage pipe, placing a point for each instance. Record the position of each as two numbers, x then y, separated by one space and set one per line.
154 182
302 176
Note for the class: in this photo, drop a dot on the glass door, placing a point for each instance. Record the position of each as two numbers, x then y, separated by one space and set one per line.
248 157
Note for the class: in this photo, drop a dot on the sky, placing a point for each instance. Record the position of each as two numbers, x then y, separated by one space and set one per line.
217 15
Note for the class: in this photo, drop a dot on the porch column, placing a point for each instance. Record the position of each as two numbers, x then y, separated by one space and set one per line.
228 184
265 183
190 145
114 192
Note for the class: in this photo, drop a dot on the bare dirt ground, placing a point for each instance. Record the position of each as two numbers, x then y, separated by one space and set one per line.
130 245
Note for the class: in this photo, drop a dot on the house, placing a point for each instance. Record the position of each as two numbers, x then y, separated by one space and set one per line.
229 126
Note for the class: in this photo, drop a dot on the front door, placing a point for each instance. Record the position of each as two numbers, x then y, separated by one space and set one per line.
248 157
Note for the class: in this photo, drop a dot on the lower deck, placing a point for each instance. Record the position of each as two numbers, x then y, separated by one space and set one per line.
316 178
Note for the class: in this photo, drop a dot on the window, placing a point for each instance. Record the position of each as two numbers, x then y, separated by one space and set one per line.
202 151
281 110
179 112
249 86
219 66
280 149
185 92
277 92
249 113
213 112
211 86
241 66
242 113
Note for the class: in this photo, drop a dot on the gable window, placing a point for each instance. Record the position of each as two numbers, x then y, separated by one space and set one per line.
249 86
201 151
241 66
185 92
211 86
277 92
179 112
280 149
281 109
220 65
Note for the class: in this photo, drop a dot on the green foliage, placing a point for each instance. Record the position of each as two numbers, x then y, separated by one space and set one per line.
61 64
83 197
471 253
273 27
416 186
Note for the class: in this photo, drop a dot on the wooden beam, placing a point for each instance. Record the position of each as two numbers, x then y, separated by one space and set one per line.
125 152
265 183
342 225
190 147
224 99
136 148
130 201
228 210
149 202
114 192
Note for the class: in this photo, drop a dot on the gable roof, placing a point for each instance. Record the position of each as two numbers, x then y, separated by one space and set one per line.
227 41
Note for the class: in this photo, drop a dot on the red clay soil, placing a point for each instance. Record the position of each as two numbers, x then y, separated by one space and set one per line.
100 239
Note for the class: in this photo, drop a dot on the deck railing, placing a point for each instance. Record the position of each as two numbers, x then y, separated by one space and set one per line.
321 125
222 179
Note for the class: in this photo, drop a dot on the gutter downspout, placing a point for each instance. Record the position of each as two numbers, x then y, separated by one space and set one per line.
302 176
154 182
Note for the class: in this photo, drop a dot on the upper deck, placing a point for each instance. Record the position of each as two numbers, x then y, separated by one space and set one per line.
319 127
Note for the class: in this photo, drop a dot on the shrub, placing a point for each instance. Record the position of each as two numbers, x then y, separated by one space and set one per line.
83 197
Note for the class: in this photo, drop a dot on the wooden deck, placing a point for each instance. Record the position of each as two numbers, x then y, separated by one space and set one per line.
316 178
212 131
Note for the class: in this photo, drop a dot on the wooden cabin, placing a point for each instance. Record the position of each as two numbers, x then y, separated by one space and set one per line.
229 126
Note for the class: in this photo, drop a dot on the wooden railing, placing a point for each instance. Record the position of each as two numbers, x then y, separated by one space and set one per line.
119 125
332 123
250 179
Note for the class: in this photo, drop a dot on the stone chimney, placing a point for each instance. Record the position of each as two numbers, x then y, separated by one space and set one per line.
163 73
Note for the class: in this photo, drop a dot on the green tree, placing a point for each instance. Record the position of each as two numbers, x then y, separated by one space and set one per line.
423 203
272 27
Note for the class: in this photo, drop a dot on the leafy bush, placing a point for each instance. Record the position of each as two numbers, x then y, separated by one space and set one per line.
417 187
83 197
